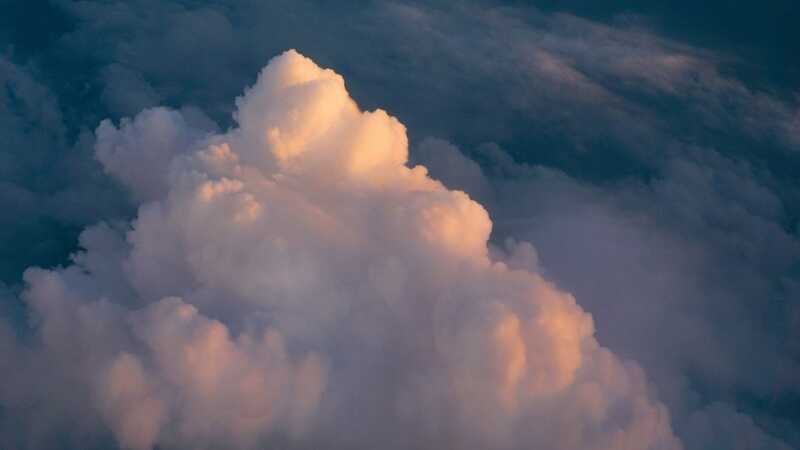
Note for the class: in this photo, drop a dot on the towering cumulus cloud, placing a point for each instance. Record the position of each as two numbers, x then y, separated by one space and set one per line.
292 282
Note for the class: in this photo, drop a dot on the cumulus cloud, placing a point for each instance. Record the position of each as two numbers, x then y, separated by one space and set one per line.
648 260
49 185
293 281
655 176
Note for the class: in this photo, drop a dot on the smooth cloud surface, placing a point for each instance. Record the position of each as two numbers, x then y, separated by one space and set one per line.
294 282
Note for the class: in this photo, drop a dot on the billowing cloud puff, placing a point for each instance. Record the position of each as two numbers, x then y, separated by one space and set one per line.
646 260
293 281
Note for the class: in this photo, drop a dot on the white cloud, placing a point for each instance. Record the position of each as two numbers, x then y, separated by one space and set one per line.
293 281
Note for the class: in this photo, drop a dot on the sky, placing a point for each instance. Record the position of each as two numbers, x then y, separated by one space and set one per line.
425 224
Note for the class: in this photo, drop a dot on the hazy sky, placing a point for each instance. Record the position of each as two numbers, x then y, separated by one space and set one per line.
567 225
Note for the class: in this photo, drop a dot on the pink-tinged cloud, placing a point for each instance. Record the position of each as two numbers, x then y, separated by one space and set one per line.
292 282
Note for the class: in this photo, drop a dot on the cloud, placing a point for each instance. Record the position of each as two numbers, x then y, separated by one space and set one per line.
654 170
584 82
551 88
720 425
49 188
673 270
294 281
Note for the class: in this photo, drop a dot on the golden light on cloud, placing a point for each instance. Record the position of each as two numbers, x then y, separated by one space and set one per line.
283 282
